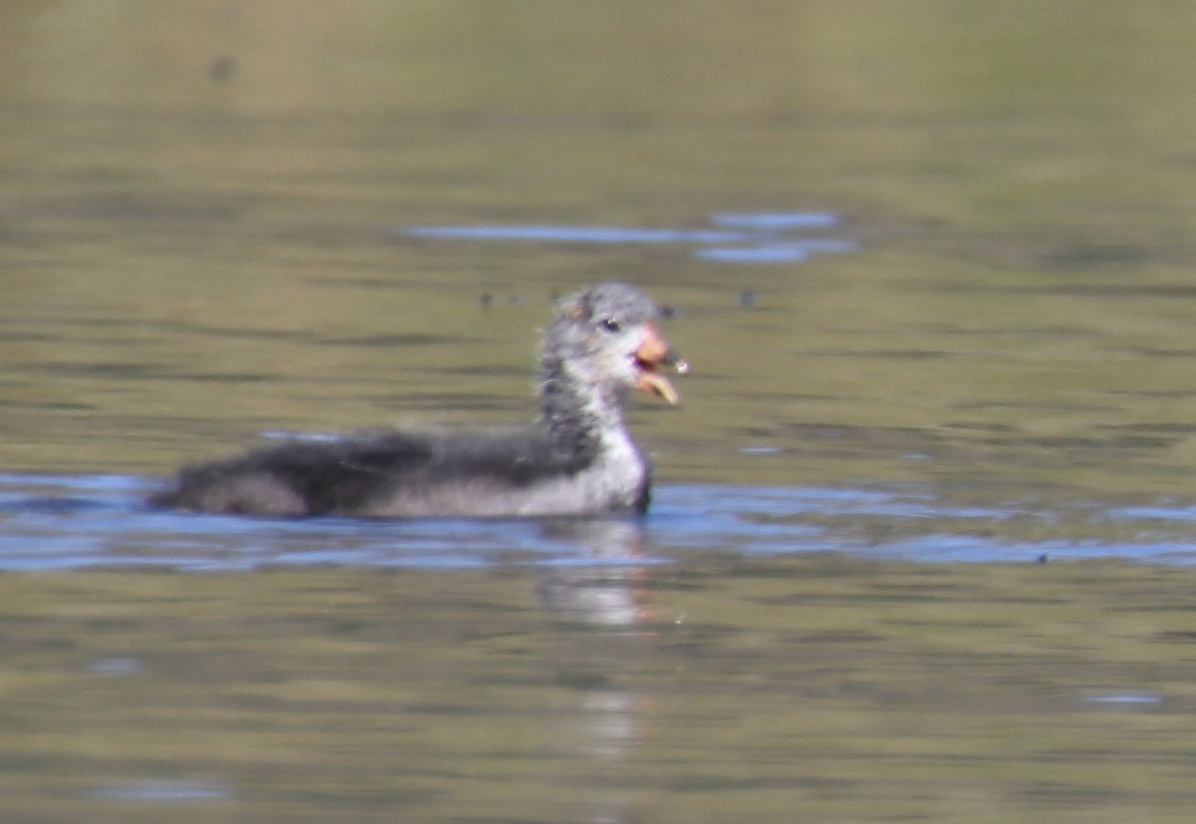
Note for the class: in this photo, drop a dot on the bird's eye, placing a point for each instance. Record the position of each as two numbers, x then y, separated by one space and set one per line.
609 325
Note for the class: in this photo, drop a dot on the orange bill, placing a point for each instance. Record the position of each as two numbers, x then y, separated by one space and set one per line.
653 353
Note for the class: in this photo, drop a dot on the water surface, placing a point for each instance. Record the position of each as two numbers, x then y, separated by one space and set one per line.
102 522
923 532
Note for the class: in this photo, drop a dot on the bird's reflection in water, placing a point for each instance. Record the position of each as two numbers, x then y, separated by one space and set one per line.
604 639
601 588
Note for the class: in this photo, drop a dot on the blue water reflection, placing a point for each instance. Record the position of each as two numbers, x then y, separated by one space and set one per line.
742 238
166 792
50 522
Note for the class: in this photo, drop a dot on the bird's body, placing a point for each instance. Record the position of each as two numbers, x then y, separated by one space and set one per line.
578 459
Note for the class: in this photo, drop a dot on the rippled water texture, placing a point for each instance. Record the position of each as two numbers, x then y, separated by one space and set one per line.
89 522
922 540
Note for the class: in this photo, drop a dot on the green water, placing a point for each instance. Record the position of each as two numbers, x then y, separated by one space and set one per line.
819 689
200 215
202 208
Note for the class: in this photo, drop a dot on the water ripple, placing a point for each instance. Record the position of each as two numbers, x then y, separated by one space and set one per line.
742 238
81 522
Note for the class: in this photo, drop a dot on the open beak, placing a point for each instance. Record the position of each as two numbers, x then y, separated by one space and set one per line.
653 353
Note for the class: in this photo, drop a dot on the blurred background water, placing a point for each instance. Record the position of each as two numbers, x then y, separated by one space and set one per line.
924 527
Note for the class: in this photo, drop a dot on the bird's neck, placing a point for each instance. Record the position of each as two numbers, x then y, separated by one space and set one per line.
581 420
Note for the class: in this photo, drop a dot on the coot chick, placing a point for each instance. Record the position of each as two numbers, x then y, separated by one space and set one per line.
577 459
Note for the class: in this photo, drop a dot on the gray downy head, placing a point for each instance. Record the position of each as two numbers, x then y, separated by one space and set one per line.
601 344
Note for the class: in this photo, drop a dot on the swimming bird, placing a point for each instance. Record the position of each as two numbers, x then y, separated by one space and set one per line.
577 459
